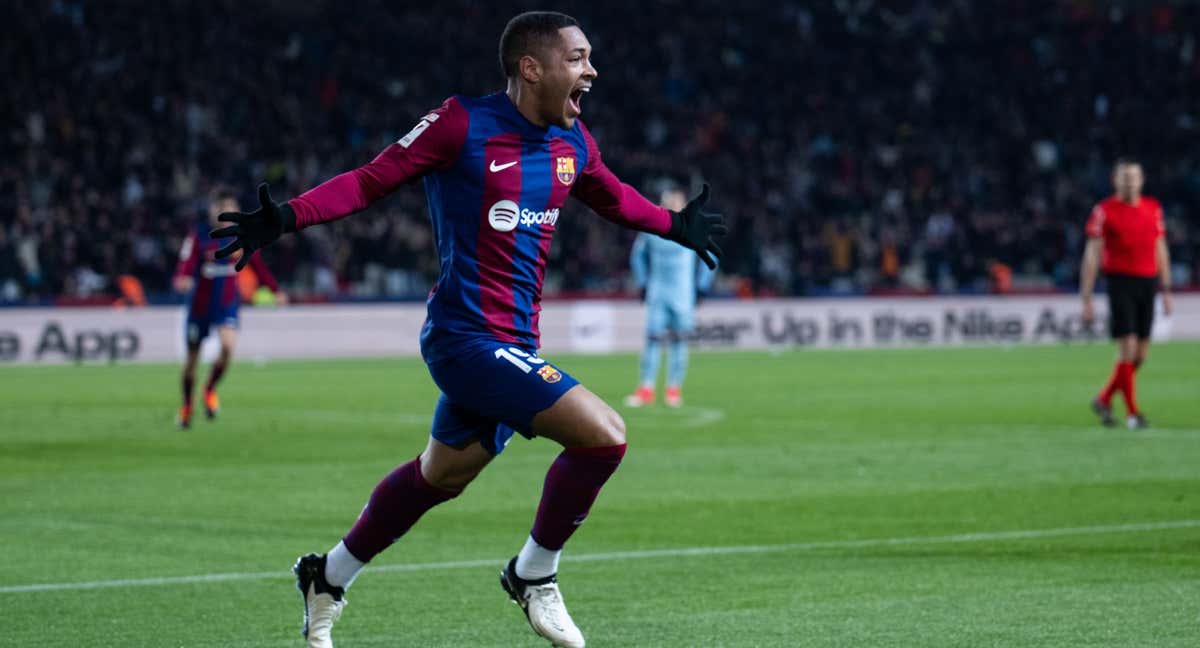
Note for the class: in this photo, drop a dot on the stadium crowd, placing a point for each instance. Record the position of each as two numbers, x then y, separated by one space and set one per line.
855 146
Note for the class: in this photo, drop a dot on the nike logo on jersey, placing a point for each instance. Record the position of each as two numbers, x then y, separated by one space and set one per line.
500 167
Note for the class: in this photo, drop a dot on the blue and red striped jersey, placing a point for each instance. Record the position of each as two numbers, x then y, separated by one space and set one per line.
495 184
214 280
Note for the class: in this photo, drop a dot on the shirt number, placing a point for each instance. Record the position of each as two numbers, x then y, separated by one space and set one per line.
519 358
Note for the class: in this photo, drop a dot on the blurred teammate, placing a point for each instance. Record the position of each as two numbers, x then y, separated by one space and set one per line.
671 281
1127 240
497 169
212 303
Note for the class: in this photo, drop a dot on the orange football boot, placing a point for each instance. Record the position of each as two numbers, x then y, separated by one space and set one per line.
212 404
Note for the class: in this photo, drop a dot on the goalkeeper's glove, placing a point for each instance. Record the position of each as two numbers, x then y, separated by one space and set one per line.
252 231
694 228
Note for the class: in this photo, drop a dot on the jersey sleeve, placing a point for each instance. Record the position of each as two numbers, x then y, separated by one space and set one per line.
1160 223
1095 223
432 145
263 272
188 254
601 190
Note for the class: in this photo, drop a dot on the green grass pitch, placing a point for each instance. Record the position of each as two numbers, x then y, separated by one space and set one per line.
926 497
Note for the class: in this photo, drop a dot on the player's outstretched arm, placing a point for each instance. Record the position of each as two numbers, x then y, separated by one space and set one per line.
694 228
432 145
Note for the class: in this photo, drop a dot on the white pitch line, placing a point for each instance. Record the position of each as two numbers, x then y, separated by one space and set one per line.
688 417
960 538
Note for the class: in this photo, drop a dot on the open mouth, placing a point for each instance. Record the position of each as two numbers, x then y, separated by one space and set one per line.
574 98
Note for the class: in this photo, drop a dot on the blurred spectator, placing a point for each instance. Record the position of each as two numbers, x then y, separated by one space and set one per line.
854 146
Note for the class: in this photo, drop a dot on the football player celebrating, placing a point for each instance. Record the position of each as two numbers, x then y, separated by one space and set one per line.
497 169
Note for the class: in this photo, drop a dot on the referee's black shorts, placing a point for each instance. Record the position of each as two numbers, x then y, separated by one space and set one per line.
1130 305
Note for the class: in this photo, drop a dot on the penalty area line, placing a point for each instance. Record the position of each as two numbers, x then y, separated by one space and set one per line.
960 538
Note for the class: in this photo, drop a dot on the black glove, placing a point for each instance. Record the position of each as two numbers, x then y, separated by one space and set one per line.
252 231
694 228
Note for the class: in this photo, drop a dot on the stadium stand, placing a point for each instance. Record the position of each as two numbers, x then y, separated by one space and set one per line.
863 147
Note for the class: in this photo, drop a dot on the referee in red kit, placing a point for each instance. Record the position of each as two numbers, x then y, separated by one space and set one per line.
1127 240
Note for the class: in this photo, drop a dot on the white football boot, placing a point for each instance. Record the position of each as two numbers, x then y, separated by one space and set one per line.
323 603
543 606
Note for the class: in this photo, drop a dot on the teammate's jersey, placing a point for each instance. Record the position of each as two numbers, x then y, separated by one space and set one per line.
670 273
1130 234
215 280
495 184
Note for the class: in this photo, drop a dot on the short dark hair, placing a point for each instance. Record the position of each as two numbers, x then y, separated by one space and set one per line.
1123 161
529 33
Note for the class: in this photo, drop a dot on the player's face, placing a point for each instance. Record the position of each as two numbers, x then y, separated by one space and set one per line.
567 76
1128 180
218 207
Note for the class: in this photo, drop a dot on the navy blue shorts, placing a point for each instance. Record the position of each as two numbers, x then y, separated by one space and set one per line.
198 326
491 390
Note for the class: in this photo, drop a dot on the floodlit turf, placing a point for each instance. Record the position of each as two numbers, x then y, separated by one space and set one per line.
853 498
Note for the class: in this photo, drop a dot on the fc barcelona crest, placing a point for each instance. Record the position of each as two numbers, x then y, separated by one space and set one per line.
549 374
565 170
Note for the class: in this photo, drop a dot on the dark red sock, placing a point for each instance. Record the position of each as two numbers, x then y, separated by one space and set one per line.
189 384
1128 390
572 484
214 375
1114 383
395 505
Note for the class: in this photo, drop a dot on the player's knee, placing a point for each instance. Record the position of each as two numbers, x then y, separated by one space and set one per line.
446 479
1127 352
450 483
611 430
450 470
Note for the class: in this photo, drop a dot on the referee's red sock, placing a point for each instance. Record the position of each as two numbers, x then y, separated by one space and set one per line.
1115 382
1127 388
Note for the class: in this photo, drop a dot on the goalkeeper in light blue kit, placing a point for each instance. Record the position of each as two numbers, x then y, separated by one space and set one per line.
671 281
